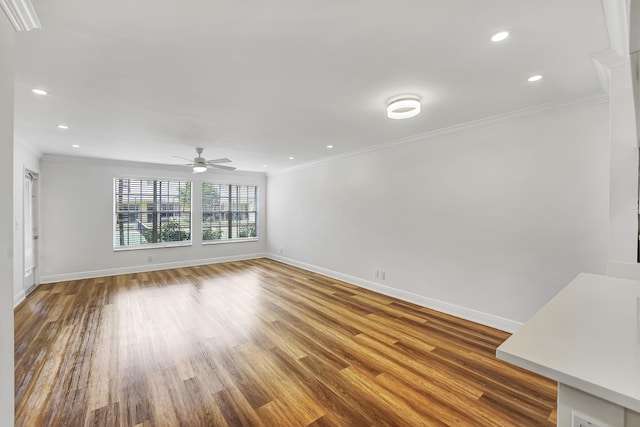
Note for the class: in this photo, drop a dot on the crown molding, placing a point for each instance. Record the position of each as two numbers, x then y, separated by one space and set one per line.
21 14
604 75
616 14
171 169
610 58
603 62
497 120
34 151
634 26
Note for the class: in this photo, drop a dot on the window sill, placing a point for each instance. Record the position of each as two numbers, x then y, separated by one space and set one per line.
153 246
222 242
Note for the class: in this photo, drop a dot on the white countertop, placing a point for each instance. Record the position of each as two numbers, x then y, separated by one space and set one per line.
587 337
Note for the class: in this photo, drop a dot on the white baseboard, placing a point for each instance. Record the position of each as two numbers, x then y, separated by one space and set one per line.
444 307
18 298
22 295
144 268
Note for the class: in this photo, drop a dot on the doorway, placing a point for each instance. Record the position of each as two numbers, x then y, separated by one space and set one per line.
30 230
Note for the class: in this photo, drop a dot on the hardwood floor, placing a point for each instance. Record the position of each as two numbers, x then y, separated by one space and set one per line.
258 343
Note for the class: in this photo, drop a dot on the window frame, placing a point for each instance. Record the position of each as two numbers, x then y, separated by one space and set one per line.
230 212
145 181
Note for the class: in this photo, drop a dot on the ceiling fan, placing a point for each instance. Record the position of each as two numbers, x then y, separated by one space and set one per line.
200 164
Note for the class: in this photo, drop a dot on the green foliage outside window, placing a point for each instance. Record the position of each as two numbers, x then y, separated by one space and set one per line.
151 211
229 212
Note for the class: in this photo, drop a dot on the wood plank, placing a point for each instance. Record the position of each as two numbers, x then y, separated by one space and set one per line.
258 343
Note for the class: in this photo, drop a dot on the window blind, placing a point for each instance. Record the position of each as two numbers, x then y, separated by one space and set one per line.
151 212
229 212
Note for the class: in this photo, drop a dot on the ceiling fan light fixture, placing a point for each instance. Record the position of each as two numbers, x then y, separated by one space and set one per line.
200 164
403 108
199 168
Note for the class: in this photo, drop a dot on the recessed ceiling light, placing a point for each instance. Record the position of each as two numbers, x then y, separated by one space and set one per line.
75 146
329 146
534 78
63 127
291 157
39 91
403 108
498 37
264 166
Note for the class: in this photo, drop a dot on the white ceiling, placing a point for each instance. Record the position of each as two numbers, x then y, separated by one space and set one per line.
259 81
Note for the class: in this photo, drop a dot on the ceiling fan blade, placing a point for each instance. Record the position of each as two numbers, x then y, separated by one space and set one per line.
227 168
183 158
215 161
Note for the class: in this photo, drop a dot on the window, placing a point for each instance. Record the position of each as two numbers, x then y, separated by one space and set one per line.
151 212
229 212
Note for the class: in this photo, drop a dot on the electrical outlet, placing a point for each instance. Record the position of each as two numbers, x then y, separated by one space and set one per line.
376 274
581 420
382 275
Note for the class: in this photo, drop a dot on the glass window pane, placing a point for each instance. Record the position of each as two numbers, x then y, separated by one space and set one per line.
150 211
228 211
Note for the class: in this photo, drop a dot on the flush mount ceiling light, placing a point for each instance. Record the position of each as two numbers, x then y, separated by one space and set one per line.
39 91
534 78
403 108
498 37
63 127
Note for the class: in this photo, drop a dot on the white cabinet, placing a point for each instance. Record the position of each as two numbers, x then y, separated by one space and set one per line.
587 338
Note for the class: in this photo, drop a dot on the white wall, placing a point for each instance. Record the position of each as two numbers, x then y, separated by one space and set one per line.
23 158
487 223
76 238
623 240
623 70
6 222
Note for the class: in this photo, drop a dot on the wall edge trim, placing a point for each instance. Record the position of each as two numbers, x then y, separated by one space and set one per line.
18 298
486 319
496 120
53 278
21 14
